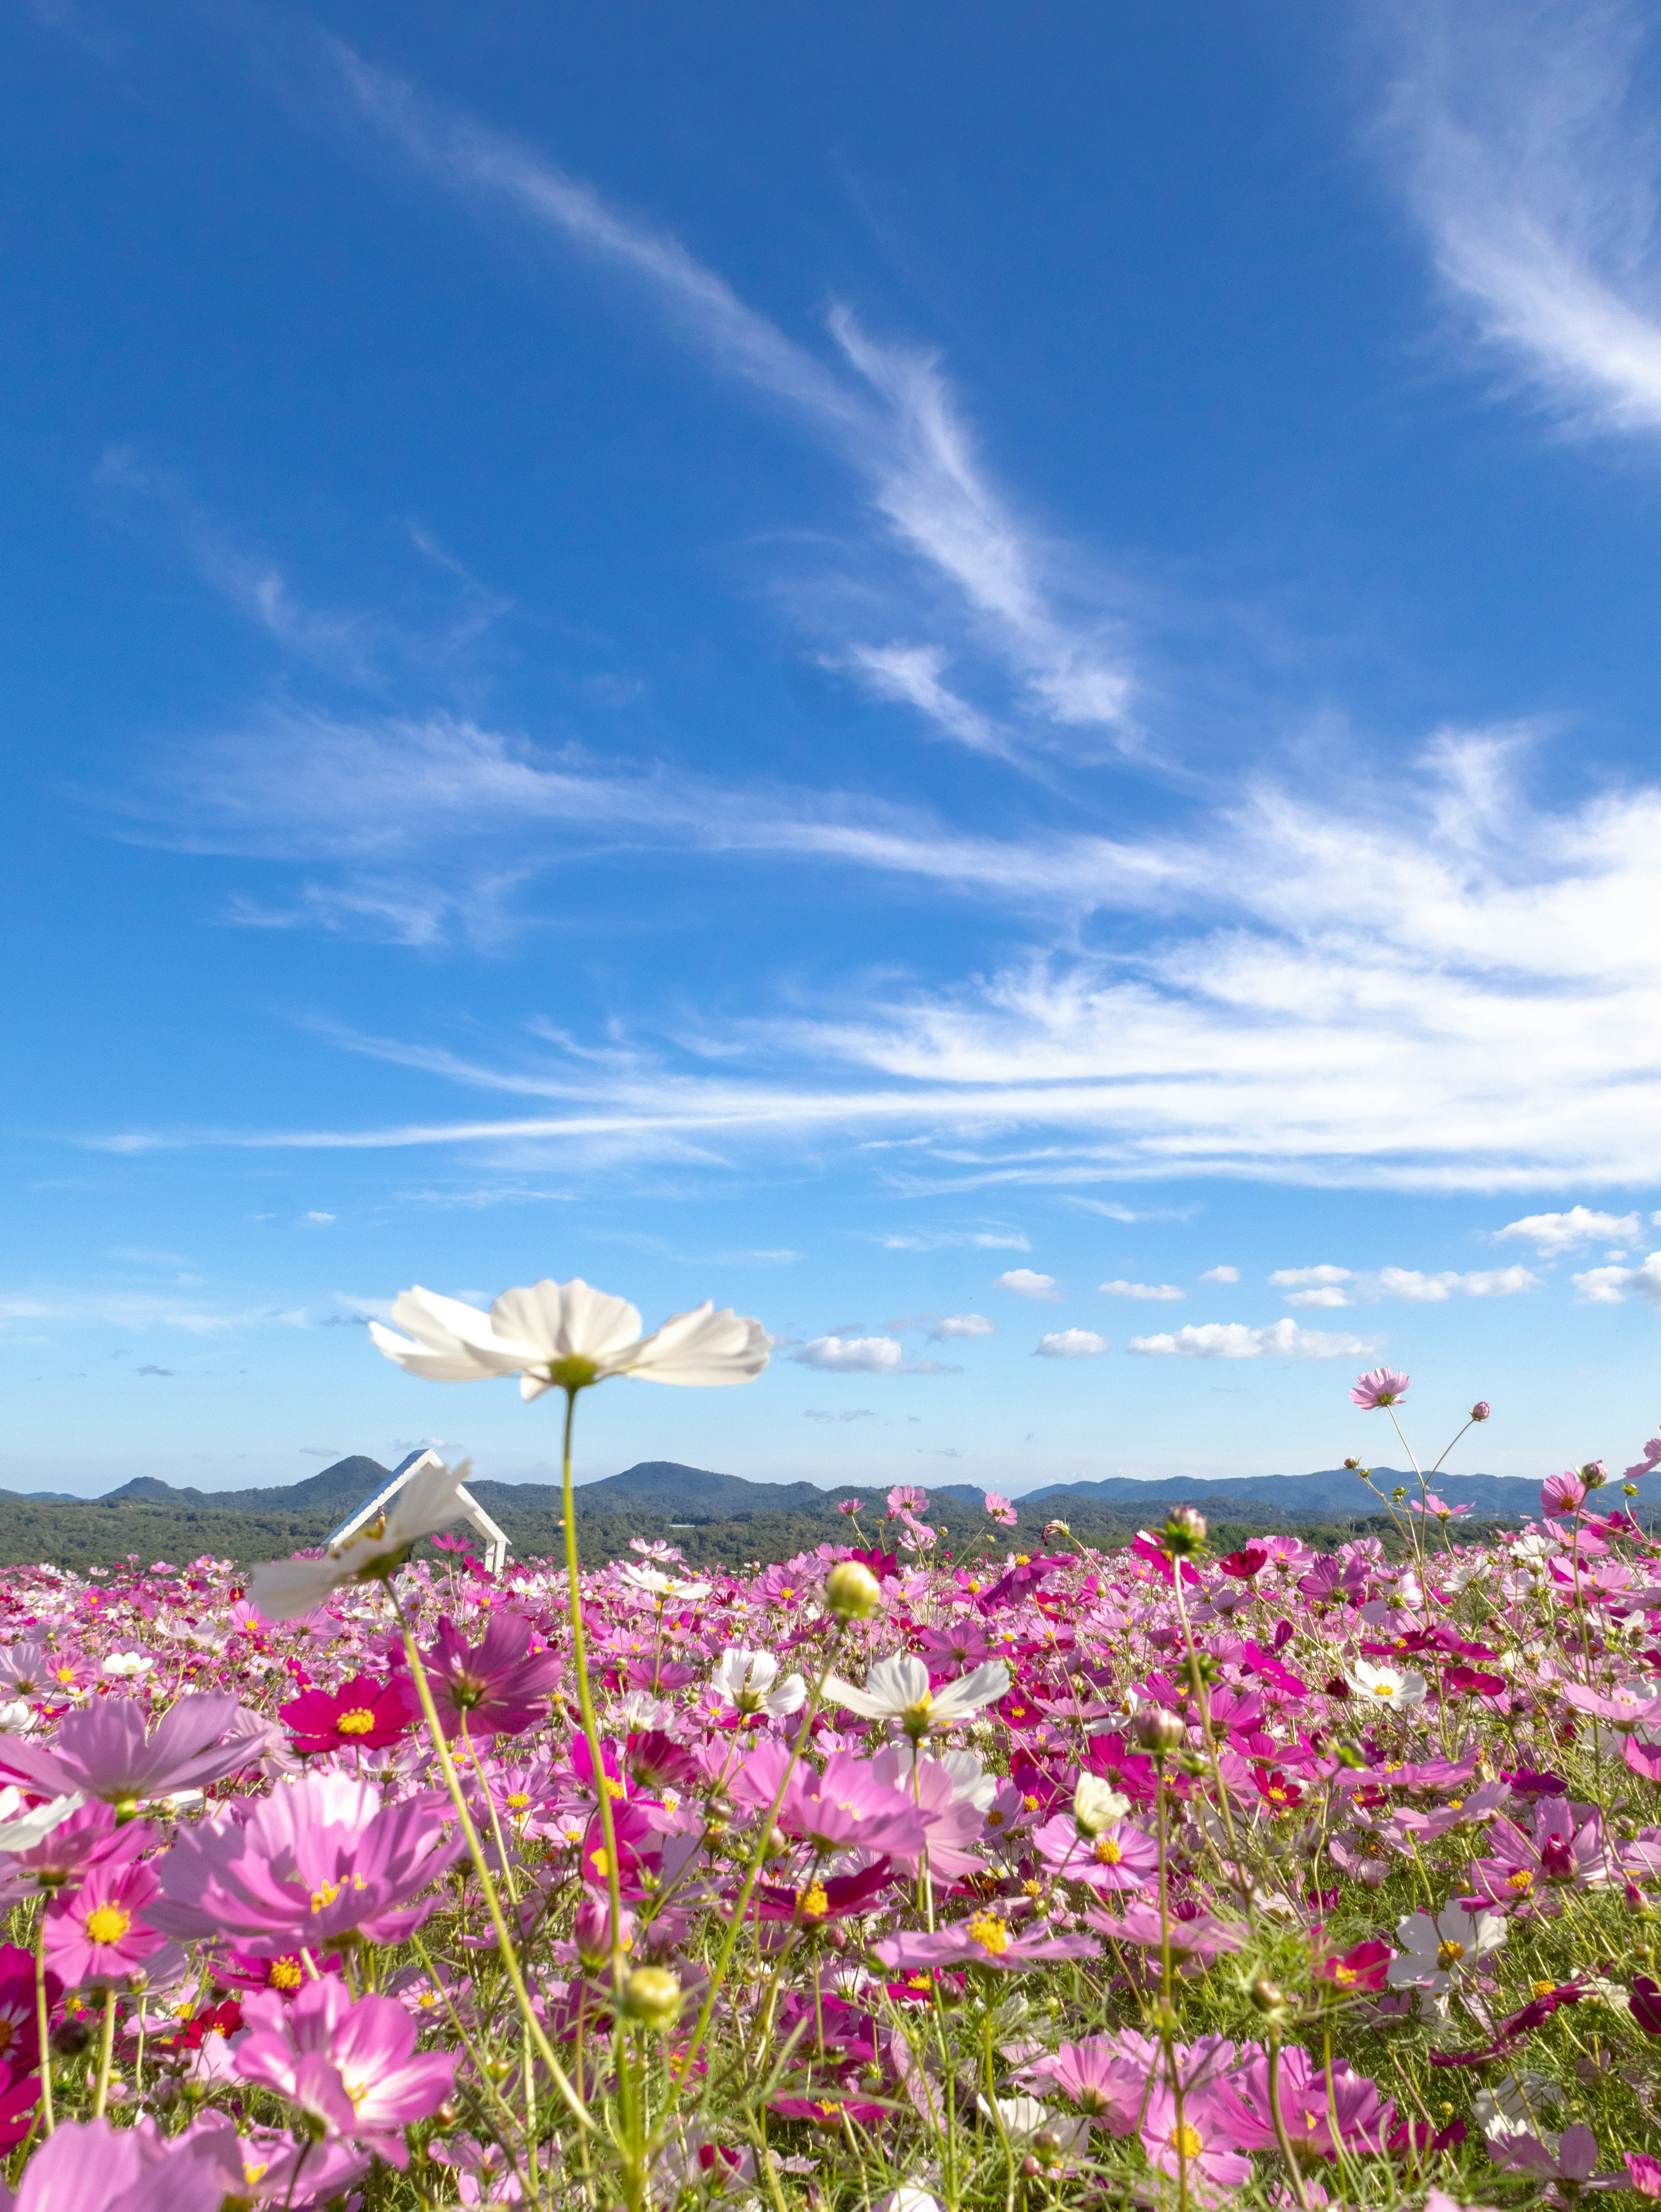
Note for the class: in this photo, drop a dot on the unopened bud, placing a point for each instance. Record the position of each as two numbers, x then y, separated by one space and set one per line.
1269 1996
1480 1410
1096 1805
852 1591
1184 1532
1594 1474
1159 1730
1354 1465
652 1994
1047 2146
1031 2168
1052 1529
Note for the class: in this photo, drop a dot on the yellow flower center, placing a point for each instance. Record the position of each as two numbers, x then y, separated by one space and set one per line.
599 1860
1449 1953
520 1800
107 1924
1541 1988
66 1673
1521 1880
612 1787
325 1894
1109 1852
285 1974
989 1932
358 1721
1344 1976
1187 2142
812 1903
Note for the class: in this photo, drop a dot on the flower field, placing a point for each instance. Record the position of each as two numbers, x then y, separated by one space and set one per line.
881 1879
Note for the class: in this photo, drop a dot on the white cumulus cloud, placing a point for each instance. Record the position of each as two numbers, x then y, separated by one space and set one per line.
1608 1287
852 1355
1234 1340
1552 1233
1121 1289
1220 1275
1342 1287
1027 1283
1071 1344
955 1325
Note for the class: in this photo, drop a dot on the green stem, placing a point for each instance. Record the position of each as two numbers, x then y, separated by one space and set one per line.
105 2053
42 2022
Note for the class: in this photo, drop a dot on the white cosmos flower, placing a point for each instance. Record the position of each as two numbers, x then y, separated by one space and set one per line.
554 1335
659 1585
971 1783
750 1680
1398 1688
127 1664
1434 1951
287 1589
896 1689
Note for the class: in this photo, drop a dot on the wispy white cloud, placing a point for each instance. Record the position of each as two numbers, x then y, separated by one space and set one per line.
140 1311
1234 1340
1121 1289
1534 165
1220 1275
885 409
937 1240
1460 990
953 1325
1328 1286
863 1355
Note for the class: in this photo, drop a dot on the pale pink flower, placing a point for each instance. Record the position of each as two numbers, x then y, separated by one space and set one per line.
1379 1386
1000 1509
353 2066
102 1751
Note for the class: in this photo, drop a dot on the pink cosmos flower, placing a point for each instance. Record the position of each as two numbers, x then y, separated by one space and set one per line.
1379 1386
1123 1856
850 1505
906 1497
1355 2116
844 1808
1197 2148
96 1933
1107 2076
90 2167
353 2066
1643 2173
361 1715
1571 2169
1000 1509
948 1797
88 1836
1561 1496
983 1939
319 1860
501 1688
1196 1943
102 1751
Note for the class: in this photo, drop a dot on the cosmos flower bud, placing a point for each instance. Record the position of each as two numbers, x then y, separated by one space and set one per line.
1159 1730
1594 1474
1480 1410
1184 1532
1052 1529
1269 1997
1354 1465
1096 1806
652 1994
852 1591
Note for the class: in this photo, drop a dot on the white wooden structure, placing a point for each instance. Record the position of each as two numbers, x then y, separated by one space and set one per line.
496 1541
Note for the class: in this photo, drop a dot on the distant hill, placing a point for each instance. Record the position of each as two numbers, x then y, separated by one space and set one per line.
1332 1490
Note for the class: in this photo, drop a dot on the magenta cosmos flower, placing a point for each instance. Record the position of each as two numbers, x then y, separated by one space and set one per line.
354 2066
1379 1386
320 1860
983 1939
90 2167
102 1751
499 1689
361 1715
1200 2146
96 1933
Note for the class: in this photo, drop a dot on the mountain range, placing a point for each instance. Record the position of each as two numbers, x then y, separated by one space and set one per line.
666 1485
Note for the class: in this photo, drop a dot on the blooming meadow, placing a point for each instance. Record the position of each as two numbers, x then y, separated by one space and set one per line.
882 1879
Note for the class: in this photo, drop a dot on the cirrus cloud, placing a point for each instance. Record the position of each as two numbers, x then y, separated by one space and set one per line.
1121 1289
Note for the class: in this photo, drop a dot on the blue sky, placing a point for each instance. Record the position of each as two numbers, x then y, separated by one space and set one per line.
984 683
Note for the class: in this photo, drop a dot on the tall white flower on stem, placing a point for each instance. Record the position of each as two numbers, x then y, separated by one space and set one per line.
566 1336
569 1336
896 1689
750 1682
1398 1689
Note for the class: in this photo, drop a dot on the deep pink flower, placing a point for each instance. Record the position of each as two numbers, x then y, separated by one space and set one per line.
319 1860
96 1933
1247 1563
638 1847
1379 1386
353 2066
499 1689
1643 2174
102 1751
361 1715
1362 1967
834 1897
